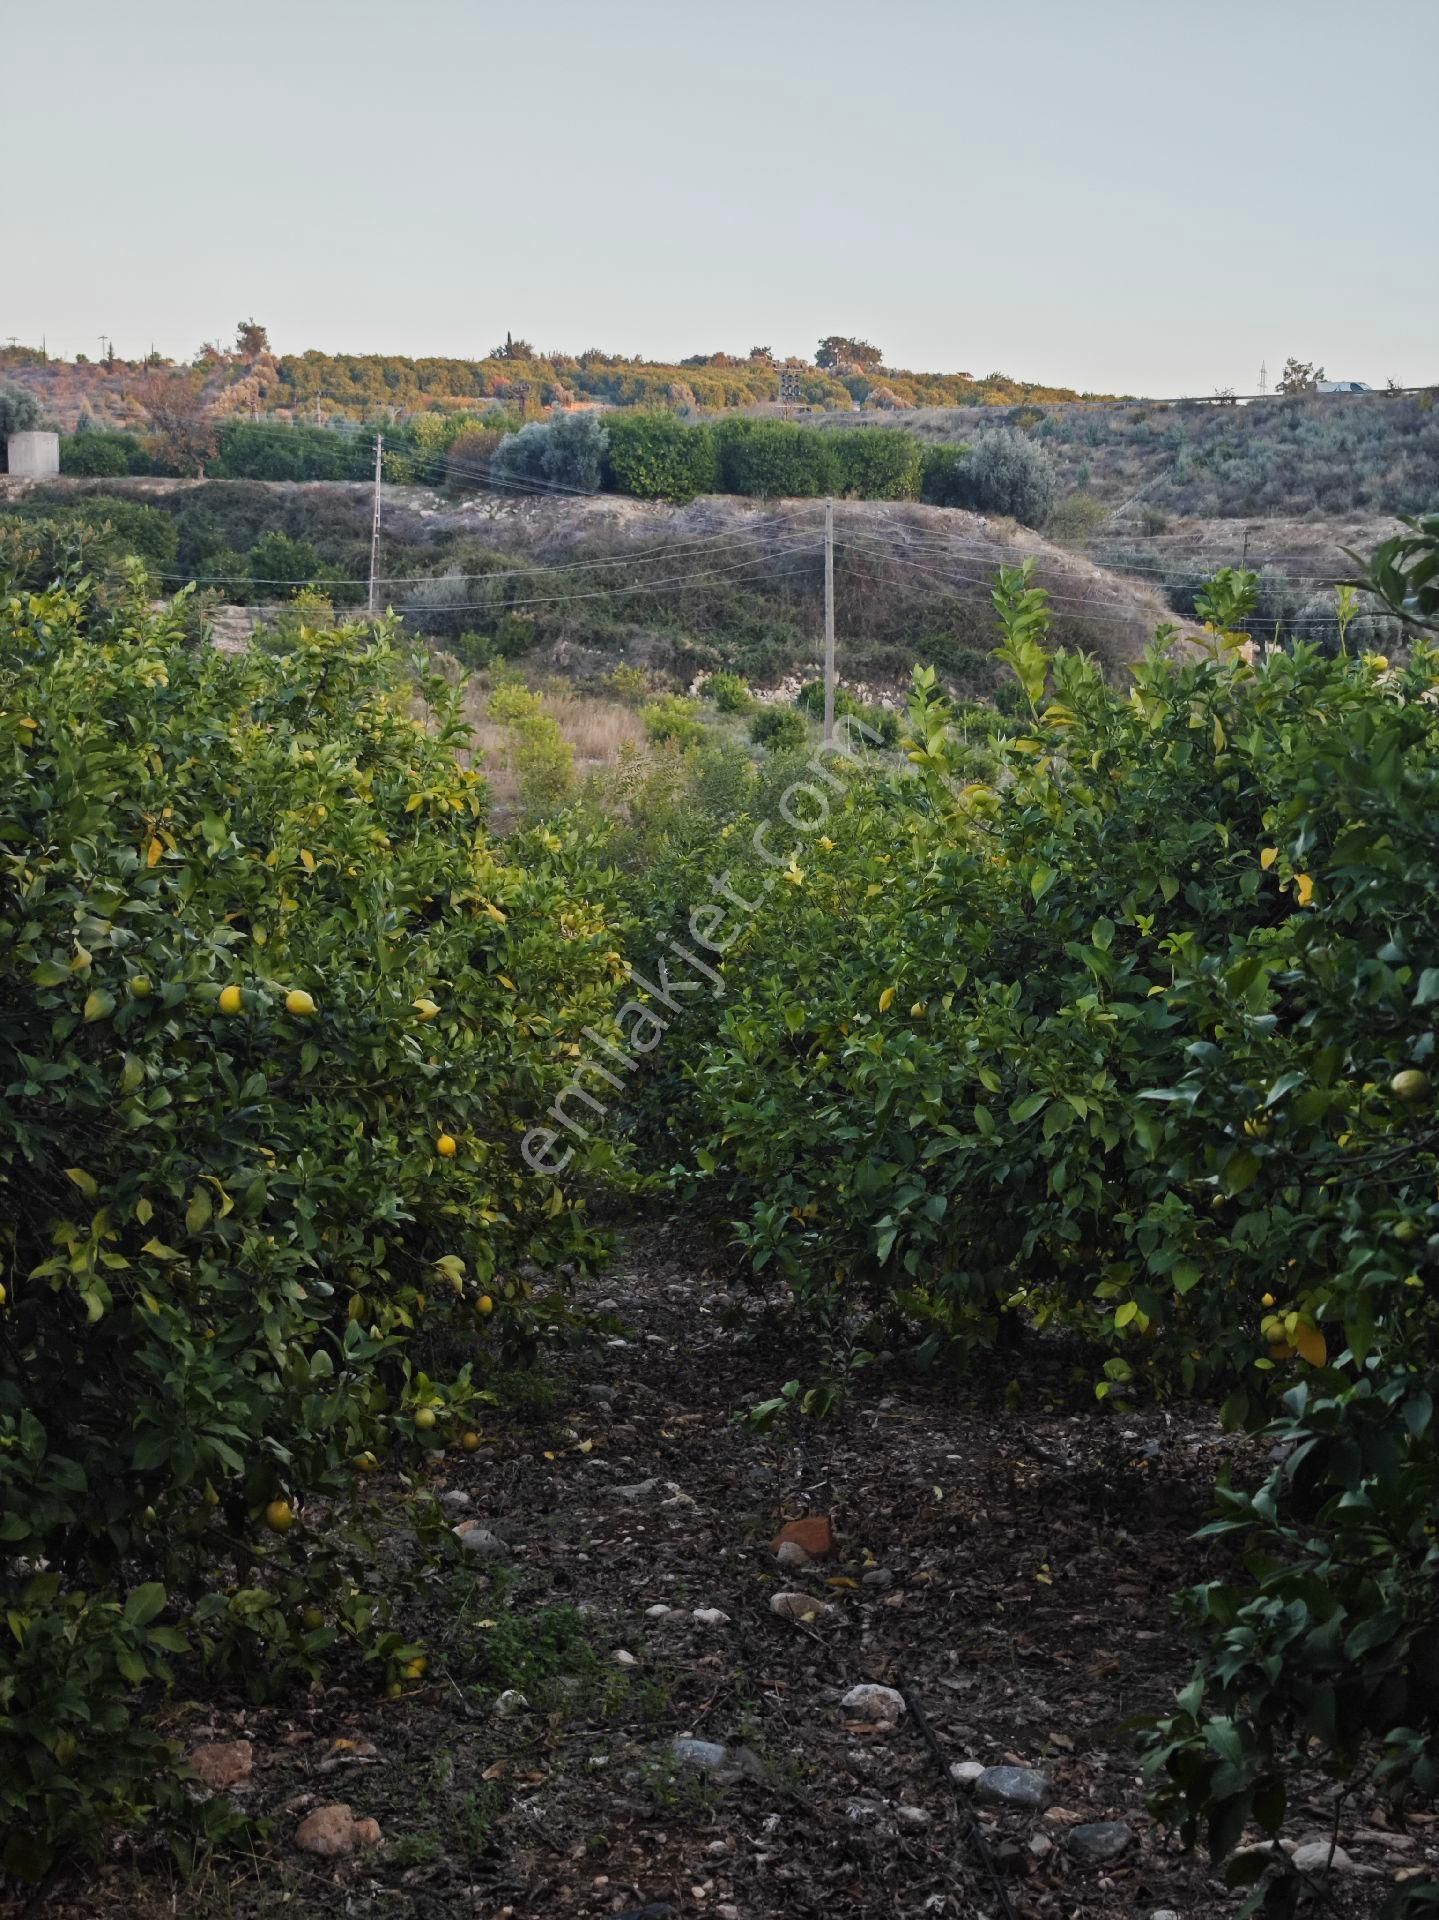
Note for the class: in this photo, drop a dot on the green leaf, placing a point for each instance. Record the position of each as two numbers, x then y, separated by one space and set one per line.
144 1604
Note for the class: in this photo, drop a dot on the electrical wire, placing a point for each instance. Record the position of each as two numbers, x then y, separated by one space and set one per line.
1082 602
607 593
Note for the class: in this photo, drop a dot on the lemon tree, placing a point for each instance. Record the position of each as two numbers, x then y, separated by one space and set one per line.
1121 1023
275 1015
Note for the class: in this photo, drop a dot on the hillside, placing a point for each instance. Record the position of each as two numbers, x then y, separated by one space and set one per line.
589 583
1289 456
362 386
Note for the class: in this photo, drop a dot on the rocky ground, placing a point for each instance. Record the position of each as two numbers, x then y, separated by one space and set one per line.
879 1665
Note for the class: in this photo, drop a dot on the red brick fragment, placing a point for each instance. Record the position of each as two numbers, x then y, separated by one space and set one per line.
813 1534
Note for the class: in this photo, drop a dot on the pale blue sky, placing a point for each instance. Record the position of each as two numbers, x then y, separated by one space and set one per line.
1108 193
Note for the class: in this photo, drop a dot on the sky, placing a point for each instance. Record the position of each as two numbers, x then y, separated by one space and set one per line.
1140 196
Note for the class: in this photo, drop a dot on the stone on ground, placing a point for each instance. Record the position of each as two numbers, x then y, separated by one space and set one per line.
1099 1840
223 1764
1013 1787
880 1704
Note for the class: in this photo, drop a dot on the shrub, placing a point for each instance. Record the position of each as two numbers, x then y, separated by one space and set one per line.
566 454
628 684
728 691
103 456
1007 473
121 527
655 457
521 461
774 459
470 457
257 450
942 481
1076 518
220 1214
281 567
673 720
810 700
20 411
779 729
575 457
1002 472
877 463
541 757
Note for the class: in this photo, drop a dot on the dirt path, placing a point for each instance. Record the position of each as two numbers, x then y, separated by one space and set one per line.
1008 1567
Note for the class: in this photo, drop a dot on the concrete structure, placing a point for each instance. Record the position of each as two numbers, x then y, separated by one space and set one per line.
32 456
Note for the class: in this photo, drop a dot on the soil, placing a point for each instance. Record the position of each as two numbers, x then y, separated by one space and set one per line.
1006 1555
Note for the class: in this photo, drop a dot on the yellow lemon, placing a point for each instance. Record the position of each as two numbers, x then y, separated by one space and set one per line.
416 1669
470 1442
1409 1086
446 1146
299 1003
484 1304
140 987
425 1419
231 999
279 1516
3 1296
1267 1301
312 1619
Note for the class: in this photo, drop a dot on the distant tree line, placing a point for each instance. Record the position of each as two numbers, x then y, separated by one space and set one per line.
649 455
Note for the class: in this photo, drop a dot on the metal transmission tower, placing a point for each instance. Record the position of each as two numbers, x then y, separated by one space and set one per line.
1263 377
791 390
375 524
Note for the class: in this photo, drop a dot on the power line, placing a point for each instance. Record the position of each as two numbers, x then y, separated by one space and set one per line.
606 593
874 551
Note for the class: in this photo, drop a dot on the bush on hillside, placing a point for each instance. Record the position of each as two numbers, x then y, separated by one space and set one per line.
673 721
20 411
1075 519
773 459
941 482
100 455
1005 473
728 691
656 457
256 450
872 463
123 528
779 729
563 455
470 457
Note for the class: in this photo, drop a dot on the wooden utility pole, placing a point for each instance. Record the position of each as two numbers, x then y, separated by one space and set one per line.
375 525
828 622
